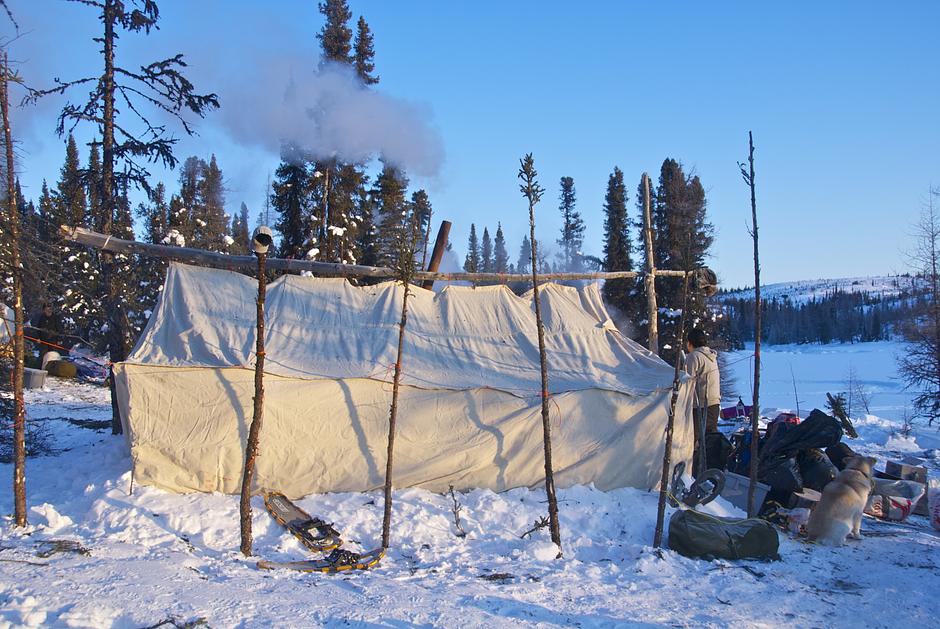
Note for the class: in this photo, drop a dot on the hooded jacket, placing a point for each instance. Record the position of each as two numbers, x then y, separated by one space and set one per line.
702 365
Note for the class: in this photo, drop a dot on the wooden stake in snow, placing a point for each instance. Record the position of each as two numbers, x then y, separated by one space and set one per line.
261 241
670 422
19 408
533 193
652 312
406 270
748 176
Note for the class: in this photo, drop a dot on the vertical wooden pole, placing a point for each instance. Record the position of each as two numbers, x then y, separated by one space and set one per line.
392 418
670 422
533 192
19 350
251 450
650 279
752 507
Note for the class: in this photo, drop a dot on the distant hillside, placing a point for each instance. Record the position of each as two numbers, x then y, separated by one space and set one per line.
845 310
801 291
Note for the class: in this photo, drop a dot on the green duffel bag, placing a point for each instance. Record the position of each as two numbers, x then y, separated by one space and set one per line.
699 535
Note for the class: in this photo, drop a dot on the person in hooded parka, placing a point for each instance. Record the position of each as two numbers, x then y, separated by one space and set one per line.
701 362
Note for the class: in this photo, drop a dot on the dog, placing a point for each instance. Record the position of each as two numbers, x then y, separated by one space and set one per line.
839 512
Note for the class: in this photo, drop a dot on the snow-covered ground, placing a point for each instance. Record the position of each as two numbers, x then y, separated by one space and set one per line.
154 556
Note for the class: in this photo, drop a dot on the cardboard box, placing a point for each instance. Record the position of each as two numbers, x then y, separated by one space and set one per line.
806 499
911 468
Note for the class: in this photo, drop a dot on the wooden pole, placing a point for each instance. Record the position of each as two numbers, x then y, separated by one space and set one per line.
19 350
652 312
752 507
251 449
225 261
533 192
438 253
392 417
670 422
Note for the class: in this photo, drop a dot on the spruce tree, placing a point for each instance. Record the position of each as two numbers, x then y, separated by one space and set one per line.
391 211
618 243
422 211
335 35
289 201
572 229
365 68
156 215
486 253
500 255
524 264
211 222
472 261
73 290
241 233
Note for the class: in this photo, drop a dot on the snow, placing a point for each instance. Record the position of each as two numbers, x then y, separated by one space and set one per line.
153 555
228 240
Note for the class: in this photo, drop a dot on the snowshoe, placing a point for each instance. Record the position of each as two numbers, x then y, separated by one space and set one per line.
703 490
337 561
314 533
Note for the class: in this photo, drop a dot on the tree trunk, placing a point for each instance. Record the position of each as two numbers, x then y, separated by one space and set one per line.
553 526
251 450
670 422
392 417
650 280
755 404
118 327
19 407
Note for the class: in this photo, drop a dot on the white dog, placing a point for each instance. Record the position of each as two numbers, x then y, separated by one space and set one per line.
839 512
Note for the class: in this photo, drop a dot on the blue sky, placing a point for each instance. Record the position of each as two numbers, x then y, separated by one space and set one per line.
841 97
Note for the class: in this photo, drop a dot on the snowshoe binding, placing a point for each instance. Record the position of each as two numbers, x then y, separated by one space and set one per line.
339 560
314 533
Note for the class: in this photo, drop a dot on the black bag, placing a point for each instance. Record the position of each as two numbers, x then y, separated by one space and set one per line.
839 453
816 431
782 473
717 451
698 535
815 468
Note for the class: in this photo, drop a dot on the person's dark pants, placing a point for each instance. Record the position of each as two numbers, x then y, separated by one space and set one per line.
710 416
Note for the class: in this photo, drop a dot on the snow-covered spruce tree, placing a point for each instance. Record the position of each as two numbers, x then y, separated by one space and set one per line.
73 289
152 271
391 212
919 364
290 204
127 267
158 88
471 263
572 229
210 223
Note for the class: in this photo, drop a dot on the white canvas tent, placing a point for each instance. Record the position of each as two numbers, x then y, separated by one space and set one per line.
469 407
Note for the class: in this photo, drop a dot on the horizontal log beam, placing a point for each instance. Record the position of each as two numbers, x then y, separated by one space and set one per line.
202 257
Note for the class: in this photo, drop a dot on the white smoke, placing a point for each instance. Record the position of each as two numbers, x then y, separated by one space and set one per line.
329 113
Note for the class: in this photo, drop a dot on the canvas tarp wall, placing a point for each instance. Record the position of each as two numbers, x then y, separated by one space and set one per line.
469 408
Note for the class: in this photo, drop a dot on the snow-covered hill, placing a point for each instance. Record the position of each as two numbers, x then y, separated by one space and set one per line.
801 291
